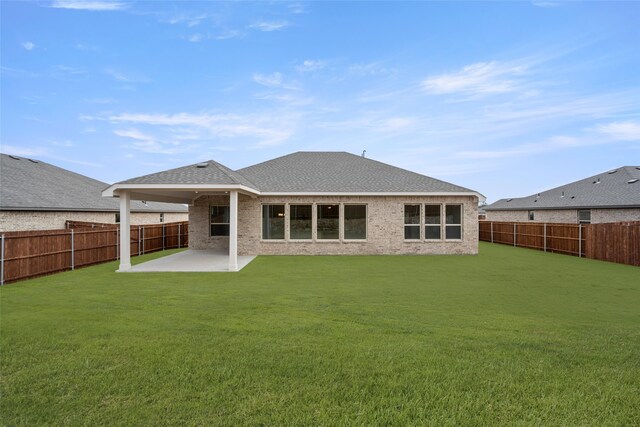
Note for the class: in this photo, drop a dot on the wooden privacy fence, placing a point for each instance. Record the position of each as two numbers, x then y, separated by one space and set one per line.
25 254
615 242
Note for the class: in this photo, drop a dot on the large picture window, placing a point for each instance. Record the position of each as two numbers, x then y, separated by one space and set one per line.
328 224
412 222
432 222
453 228
300 222
219 221
355 222
273 222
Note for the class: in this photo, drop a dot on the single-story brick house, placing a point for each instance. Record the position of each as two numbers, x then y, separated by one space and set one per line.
611 196
312 203
35 195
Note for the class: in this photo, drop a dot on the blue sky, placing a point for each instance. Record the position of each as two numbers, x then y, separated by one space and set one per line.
507 98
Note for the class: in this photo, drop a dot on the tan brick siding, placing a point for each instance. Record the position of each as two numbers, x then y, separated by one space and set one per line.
569 216
47 220
385 227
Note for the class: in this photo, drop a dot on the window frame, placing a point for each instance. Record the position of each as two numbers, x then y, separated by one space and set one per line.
461 224
211 223
405 225
284 222
343 218
291 239
317 209
531 215
439 225
584 221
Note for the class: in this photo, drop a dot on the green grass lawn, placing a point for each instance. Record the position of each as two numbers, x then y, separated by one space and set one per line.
508 337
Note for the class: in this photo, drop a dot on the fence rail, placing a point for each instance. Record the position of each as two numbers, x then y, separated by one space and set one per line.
615 242
25 254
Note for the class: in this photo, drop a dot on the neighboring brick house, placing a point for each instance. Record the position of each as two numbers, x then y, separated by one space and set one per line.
313 203
35 195
611 196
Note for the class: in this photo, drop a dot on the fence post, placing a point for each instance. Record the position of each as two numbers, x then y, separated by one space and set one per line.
163 236
514 234
179 235
117 242
143 239
579 240
491 231
2 261
139 241
73 261
545 237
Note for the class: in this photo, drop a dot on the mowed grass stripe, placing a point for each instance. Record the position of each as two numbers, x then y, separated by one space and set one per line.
511 336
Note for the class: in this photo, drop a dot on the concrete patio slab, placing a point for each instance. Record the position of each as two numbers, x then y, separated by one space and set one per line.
191 261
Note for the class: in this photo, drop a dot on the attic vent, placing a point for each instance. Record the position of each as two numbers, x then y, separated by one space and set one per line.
562 194
597 181
612 171
14 157
33 161
631 181
573 197
508 200
202 165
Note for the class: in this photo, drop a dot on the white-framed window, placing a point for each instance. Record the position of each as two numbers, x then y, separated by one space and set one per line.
273 222
300 222
532 215
584 216
328 222
219 215
355 222
412 222
453 222
433 221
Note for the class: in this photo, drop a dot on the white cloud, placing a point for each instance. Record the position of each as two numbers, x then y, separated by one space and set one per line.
195 38
297 8
269 80
69 70
126 77
28 45
480 78
229 34
310 65
371 69
267 128
66 143
89 5
269 26
622 131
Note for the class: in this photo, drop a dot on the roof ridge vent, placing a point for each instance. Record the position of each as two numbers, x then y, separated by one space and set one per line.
14 157
612 171
33 161
202 165
631 181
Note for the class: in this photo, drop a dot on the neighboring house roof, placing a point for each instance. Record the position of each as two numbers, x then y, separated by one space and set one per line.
300 173
35 185
617 188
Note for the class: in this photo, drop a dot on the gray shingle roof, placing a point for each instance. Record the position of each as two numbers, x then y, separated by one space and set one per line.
35 185
209 172
339 172
608 189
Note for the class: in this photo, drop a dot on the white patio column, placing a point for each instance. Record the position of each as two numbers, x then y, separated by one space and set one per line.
125 231
233 231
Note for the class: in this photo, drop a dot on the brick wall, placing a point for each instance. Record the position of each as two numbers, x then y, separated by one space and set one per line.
385 227
47 220
567 216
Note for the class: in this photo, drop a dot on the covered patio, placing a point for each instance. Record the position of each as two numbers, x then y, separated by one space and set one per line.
192 261
184 185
